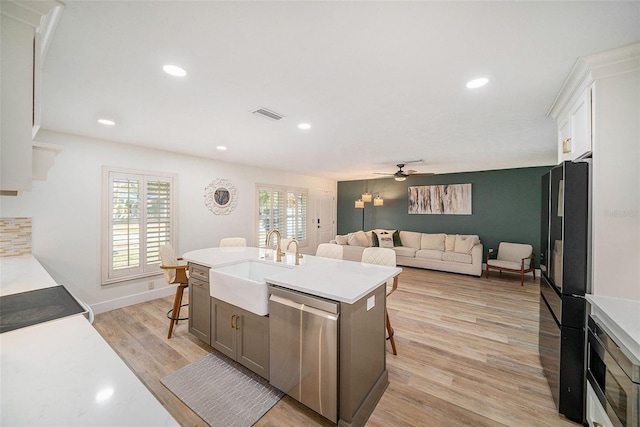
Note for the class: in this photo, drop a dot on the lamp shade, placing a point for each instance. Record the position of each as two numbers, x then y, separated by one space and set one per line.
366 197
378 201
359 204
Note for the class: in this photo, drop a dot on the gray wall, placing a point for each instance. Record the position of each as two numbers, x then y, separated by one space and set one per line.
505 206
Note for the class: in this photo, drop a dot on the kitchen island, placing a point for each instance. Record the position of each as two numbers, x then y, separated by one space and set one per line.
358 291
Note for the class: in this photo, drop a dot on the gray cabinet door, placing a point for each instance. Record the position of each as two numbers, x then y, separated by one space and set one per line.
200 310
223 333
253 342
241 335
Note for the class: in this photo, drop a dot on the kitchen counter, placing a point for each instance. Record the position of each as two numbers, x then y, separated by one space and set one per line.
62 372
22 274
622 317
337 280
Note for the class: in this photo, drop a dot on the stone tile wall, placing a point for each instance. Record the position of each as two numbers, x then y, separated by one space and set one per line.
15 236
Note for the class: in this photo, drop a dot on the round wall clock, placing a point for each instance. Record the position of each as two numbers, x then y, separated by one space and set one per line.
221 197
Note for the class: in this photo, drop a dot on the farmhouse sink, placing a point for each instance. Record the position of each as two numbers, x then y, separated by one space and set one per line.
242 284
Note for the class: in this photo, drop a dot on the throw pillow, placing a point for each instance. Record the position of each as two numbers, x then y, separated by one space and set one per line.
464 244
377 235
450 242
385 240
341 240
357 239
396 238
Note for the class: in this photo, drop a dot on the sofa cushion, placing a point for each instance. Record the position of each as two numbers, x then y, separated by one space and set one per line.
457 257
429 254
405 251
506 264
450 242
411 239
357 239
342 240
463 244
433 241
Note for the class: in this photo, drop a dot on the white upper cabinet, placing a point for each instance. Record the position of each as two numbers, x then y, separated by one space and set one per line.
573 110
20 50
580 114
597 111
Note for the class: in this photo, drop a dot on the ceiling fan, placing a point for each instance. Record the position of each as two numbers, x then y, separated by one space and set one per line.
401 175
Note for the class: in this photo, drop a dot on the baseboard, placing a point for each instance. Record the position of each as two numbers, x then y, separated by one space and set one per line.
103 307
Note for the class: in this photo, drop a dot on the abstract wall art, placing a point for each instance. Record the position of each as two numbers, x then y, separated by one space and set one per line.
452 199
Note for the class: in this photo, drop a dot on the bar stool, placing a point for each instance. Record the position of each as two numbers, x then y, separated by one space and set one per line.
174 273
384 256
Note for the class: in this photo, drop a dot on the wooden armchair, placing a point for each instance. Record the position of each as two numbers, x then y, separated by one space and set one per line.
513 257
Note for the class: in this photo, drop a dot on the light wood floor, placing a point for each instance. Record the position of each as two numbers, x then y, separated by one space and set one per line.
467 355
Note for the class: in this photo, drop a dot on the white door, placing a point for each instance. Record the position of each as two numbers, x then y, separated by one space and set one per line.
324 220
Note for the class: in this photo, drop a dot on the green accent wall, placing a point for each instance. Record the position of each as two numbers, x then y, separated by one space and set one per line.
505 206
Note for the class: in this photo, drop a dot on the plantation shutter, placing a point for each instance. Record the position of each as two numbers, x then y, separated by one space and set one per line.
141 219
284 210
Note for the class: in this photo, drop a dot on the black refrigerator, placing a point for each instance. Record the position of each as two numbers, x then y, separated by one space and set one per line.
565 279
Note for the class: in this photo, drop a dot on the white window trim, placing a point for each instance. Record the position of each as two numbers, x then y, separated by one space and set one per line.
107 212
285 190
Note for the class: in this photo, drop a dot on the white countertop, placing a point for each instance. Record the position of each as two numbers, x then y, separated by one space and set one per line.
62 372
338 280
21 274
622 317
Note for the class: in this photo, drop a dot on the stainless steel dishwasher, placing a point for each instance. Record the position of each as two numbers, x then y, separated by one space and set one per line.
303 358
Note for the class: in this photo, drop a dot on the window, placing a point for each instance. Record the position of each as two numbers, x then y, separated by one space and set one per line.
282 209
138 218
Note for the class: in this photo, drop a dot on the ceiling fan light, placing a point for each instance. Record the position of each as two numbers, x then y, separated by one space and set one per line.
400 178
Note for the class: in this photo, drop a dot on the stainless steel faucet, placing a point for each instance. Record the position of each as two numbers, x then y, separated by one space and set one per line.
298 254
279 252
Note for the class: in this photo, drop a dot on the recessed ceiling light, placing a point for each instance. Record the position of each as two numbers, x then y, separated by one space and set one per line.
304 126
106 122
476 83
174 70
221 148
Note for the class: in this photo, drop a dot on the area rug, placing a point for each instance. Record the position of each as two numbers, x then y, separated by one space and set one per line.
223 392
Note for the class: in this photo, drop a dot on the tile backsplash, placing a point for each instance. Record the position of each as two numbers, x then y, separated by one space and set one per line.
15 236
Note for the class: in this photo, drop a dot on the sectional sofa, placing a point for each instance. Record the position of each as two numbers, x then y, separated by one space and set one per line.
454 253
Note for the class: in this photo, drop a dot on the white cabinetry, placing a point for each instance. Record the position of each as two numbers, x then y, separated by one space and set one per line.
598 108
573 112
19 57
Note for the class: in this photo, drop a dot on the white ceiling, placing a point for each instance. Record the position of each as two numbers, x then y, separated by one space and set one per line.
380 82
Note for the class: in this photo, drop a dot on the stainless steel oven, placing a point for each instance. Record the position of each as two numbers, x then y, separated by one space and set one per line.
614 374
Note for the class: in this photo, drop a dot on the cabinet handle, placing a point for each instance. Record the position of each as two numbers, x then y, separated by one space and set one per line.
236 323
232 317
566 147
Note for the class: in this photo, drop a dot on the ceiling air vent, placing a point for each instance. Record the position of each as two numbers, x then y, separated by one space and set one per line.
268 114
